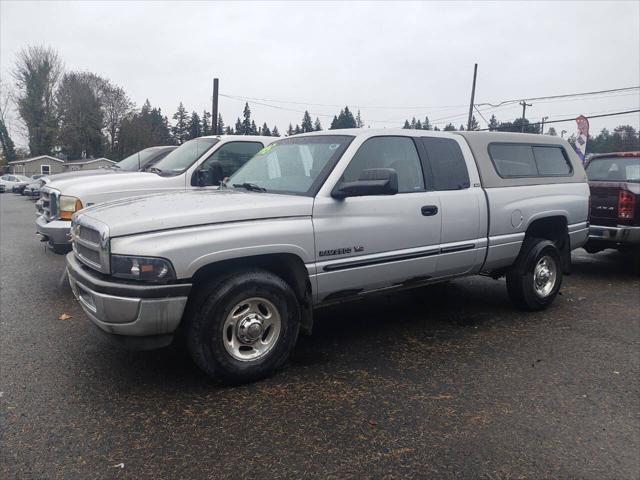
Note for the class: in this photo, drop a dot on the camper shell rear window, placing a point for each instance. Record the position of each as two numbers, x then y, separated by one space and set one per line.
528 160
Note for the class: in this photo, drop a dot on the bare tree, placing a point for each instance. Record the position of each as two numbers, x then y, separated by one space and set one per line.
116 105
37 72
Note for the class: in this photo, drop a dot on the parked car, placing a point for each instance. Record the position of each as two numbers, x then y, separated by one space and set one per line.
139 161
614 180
197 163
10 180
32 190
321 218
1 187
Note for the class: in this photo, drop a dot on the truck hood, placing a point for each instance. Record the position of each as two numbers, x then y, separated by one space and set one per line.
57 177
88 186
189 208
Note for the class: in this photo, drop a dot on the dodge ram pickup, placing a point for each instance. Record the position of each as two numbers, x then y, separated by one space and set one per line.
198 163
326 217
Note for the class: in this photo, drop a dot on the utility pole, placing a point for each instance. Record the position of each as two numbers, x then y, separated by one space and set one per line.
544 119
524 109
214 108
473 94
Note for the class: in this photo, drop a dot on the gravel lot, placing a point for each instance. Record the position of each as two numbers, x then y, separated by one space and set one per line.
444 382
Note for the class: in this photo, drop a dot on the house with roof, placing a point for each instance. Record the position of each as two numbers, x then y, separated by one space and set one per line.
48 165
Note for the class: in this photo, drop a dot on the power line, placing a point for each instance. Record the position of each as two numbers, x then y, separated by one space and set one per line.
567 95
611 114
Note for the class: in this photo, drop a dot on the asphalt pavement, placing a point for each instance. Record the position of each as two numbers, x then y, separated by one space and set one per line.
448 381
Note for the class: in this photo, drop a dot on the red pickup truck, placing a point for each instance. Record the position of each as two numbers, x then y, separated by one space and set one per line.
614 213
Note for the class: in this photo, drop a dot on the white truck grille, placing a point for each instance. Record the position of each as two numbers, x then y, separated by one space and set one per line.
47 206
91 243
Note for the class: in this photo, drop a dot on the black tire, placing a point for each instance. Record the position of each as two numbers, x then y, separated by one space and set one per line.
205 319
520 277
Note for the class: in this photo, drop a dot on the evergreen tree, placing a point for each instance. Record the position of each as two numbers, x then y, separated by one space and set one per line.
290 130
436 129
552 132
359 122
317 126
239 127
80 116
406 125
146 128
461 128
246 122
307 125
449 128
206 123
516 126
334 123
195 126
180 129
8 147
37 72
229 131
275 132
344 120
413 123
474 123
493 123
297 130
254 128
220 128
418 125
265 130
427 124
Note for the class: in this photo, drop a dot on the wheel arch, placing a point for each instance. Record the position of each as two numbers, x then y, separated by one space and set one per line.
554 227
288 266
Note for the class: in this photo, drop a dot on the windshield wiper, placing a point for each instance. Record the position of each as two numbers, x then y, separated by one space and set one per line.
155 170
252 187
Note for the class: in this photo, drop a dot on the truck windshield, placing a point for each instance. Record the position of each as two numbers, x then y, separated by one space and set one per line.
296 165
184 156
614 169
136 161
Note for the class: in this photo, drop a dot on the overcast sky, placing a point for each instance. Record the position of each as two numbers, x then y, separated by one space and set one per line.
415 59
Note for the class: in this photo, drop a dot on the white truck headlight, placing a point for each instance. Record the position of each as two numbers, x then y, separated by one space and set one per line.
68 206
148 269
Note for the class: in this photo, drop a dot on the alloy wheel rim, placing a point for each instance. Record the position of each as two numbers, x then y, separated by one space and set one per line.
251 329
545 275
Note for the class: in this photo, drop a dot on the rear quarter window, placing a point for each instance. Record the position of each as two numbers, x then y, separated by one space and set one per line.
447 164
527 160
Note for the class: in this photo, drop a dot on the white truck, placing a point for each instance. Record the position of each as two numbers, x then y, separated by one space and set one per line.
198 163
321 218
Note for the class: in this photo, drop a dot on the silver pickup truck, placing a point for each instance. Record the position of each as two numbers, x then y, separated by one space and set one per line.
201 162
321 218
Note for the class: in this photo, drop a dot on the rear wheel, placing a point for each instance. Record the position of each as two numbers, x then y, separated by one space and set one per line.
535 279
242 327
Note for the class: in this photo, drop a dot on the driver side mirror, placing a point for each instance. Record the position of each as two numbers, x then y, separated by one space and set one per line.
374 181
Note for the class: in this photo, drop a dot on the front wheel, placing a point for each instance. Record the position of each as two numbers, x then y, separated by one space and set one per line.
242 327
535 279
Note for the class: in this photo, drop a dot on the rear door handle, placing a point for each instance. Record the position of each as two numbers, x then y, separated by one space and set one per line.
429 210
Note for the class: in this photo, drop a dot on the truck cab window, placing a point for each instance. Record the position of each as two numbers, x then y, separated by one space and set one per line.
398 153
448 167
225 161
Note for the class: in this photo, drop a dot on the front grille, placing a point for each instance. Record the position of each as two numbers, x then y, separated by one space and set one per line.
89 254
48 204
91 243
89 234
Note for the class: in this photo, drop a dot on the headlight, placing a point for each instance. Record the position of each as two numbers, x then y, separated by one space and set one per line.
148 269
69 205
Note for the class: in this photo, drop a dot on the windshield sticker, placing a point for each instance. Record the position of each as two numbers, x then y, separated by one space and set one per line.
333 146
265 149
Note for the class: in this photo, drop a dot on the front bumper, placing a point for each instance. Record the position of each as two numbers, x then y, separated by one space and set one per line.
620 235
57 232
127 309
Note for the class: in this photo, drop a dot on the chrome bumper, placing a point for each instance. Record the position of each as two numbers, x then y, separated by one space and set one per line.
135 310
56 231
619 234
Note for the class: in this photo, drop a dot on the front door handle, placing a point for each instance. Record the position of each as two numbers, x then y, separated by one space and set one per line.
429 210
